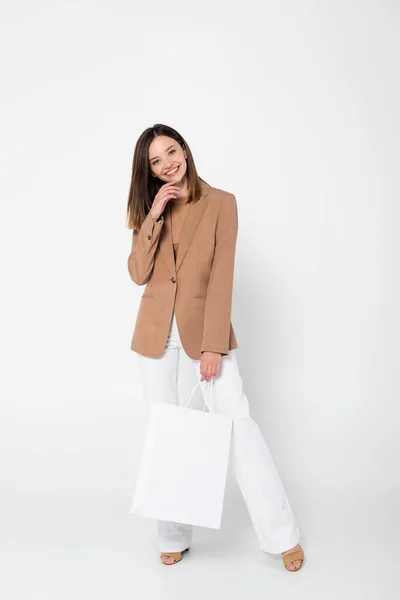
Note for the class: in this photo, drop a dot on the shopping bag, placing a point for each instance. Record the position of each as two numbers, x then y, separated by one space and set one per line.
183 468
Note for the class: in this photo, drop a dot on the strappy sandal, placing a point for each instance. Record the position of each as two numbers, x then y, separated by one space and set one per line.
177 556
292 556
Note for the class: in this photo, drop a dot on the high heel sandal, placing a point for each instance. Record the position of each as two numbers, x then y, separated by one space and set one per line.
292 556
177 556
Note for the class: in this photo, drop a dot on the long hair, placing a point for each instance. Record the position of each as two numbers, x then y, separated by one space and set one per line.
144 186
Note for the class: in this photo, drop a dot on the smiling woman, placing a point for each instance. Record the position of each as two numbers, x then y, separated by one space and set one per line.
175 157
183 246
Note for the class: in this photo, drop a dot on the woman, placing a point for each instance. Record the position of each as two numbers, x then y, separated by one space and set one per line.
183 248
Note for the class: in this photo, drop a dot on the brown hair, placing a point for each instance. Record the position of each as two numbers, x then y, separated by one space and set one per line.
144 186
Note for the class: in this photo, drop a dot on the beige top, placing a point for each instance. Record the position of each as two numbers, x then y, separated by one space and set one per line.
179 210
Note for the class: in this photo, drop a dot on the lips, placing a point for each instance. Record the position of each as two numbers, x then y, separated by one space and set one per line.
173 171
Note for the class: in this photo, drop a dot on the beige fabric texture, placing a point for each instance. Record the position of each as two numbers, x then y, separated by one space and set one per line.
198 284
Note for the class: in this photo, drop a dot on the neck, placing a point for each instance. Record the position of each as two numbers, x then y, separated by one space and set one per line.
183 193
178 201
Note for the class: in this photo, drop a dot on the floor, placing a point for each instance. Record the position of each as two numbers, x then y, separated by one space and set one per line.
58 547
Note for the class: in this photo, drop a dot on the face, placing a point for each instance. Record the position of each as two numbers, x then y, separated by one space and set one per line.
167 159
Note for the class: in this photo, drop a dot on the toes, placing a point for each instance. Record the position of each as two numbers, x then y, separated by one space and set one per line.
294 565
167 560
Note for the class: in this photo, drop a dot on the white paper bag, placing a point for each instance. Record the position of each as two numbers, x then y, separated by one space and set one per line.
183 468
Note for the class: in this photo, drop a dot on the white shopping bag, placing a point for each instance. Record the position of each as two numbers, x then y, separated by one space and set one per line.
183 468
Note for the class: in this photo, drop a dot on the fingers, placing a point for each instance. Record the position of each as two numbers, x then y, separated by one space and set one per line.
164 194
209 371
168 189
169 184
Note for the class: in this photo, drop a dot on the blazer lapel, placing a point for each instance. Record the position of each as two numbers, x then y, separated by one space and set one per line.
189 226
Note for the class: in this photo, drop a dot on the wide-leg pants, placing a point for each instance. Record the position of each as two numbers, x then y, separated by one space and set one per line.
262 489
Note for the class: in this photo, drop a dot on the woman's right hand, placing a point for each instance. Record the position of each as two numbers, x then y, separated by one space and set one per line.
166 192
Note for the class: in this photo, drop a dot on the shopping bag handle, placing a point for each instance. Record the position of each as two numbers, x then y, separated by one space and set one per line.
190 395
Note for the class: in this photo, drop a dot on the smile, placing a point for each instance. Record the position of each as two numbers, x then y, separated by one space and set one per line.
173 171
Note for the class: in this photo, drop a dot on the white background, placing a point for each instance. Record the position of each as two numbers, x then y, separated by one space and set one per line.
293 107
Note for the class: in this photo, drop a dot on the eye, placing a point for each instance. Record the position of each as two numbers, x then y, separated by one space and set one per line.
156 161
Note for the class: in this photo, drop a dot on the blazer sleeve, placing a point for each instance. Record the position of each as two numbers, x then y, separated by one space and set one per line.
144 245
218 303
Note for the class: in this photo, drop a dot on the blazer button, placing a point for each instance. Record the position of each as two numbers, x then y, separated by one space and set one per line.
149 237
173 279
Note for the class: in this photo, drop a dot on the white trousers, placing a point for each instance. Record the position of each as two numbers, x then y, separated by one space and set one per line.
255 471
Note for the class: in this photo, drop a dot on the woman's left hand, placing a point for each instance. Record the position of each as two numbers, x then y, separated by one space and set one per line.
210 365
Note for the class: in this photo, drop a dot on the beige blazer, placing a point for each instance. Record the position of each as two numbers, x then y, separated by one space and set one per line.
198 288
